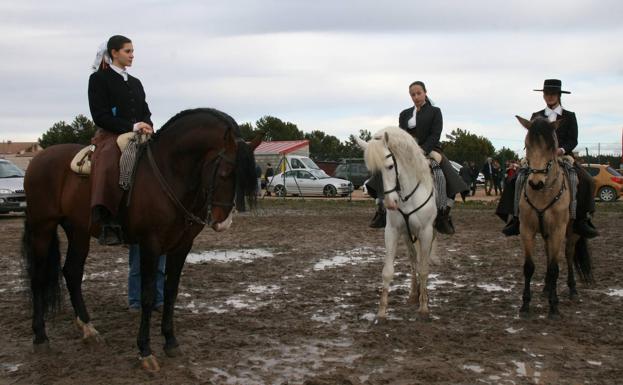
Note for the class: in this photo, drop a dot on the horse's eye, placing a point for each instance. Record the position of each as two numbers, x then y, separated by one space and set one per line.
390 167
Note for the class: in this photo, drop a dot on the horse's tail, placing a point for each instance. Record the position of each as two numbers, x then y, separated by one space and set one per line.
246 179
582 261
43 271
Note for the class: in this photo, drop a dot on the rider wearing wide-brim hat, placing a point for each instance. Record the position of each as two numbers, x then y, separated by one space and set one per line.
567 134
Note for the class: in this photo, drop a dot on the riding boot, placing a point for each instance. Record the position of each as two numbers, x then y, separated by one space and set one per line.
443 222
584 228
110 233
512 227
379 221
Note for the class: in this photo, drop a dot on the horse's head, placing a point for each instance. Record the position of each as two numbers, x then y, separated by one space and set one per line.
541 150
235 174
393 152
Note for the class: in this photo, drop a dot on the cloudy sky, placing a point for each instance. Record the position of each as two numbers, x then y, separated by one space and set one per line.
337 66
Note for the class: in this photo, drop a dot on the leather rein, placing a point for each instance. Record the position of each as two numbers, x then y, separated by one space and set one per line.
541 212
398 189
208 192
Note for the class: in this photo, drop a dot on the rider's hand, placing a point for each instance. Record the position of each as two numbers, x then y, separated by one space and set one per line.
143 128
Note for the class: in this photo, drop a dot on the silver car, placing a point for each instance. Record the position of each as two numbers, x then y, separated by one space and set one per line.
12 197
308 182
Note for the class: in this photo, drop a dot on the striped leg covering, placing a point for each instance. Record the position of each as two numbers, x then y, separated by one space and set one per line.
127 162
441 198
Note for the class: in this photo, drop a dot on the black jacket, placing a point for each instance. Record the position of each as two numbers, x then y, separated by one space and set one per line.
428 126
567 131
116 104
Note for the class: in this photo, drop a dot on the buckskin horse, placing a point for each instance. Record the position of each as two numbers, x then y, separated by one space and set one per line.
194 165
411 209
544 208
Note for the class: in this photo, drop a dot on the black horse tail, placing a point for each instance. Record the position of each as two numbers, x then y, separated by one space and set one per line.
582 261
246 179
43 271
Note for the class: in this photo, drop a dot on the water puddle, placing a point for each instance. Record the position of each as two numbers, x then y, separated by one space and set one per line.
473 368
350 257
492 287
10 368
511 330
228 256
615 292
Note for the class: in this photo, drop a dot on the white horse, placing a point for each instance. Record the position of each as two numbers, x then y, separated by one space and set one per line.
411 208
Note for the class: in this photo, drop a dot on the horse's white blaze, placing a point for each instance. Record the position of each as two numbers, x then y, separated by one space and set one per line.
222 226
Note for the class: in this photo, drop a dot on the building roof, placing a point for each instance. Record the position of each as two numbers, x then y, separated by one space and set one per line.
280 146
9 147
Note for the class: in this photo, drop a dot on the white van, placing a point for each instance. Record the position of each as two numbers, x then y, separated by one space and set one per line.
298 162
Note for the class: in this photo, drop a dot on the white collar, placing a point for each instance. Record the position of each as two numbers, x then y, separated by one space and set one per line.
120 71
552 113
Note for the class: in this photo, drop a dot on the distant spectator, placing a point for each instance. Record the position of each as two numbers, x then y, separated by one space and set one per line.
474 172
268 176
487 171
497 177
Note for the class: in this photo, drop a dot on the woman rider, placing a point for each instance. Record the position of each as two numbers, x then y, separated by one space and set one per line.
424 122
117 103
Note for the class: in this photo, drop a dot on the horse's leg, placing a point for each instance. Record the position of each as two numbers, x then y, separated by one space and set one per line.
554 245
78 239
425 242
175 263
414 294
391 243
570 241
149 266
41 251
528 269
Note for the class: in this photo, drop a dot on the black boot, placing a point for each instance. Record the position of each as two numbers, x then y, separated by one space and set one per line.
110 233
443 222
584 228
378 222
512 227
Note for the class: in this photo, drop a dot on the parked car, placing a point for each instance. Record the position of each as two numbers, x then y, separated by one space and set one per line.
12 197
309 182
480 179
608 181
353 170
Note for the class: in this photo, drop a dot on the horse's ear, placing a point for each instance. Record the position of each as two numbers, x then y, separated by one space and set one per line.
386 138
257 140
362 143
524 122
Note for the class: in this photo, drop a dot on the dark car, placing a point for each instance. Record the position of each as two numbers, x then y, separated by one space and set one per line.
353 170
12 197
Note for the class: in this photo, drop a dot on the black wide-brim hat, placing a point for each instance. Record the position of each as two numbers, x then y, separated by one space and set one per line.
553 85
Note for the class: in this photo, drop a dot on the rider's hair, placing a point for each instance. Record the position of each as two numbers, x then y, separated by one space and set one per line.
116 42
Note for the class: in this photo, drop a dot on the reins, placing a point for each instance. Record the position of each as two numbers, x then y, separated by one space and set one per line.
189 216
541 212
397 189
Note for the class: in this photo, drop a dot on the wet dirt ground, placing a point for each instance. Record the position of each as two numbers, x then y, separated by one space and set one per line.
288 296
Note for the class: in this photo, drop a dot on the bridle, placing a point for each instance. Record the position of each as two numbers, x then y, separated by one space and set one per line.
541 212
398 189
208 191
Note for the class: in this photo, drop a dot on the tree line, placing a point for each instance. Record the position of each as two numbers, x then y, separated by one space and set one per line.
460 145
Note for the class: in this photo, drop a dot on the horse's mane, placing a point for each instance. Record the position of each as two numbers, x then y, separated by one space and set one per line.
405 148
228 120
542 129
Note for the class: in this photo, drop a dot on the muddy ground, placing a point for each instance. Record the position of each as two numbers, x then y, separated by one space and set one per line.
288 296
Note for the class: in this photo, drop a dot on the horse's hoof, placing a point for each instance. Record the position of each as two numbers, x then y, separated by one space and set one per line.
150 364
41 348
174 351
423 316
525 314
554 316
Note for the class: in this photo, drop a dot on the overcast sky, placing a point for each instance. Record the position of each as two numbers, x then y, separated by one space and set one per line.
336 66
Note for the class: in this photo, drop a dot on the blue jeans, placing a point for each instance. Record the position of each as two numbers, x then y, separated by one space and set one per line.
134 279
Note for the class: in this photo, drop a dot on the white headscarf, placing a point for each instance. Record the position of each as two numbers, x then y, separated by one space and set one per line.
102 55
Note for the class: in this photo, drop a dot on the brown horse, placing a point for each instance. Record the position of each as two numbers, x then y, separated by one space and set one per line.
544 209
194 165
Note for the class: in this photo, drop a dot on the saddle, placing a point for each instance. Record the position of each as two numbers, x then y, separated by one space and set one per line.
81 163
